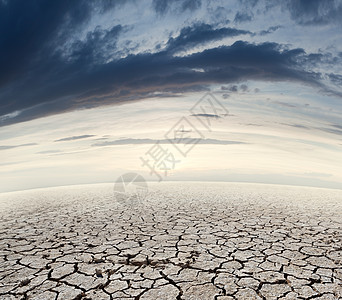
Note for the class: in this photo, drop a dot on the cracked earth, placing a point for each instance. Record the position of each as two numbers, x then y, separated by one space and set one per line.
183 241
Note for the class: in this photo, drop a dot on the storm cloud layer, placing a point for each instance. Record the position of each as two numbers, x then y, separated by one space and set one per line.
55 58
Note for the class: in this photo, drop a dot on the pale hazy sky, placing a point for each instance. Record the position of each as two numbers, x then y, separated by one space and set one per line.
84 97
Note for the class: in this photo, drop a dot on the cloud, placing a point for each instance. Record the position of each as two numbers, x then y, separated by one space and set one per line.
73 138
160 6
200 33
139 76
284 104
244 87
335 78
11 163
35 39
296 126
130 141
316 174
333 131
337 126
248 3
234 88
206 115
191 4
163 6
35 47
242 17
270 30
85 50
314 12
45 71
17 146
49 152
252 124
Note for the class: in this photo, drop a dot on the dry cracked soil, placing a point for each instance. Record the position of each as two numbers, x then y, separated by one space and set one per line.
182 241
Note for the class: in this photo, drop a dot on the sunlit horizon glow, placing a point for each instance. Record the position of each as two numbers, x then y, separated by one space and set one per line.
83 100
280 149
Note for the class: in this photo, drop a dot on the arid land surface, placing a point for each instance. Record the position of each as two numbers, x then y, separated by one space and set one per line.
182 241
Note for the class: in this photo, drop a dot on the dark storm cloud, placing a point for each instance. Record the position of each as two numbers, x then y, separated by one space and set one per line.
22 34
81 83
234 88
31 30
270 30
244 87
197 34
242 17
73 138
314 12
249 3
105 41
44 73
30 33
303 12
163 6
191 4
335 78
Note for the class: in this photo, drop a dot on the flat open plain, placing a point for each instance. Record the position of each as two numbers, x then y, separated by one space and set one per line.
183 241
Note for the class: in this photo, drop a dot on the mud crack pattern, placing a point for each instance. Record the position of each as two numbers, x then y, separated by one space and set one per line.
184 241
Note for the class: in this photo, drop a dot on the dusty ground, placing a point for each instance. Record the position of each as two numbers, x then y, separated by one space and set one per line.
184 241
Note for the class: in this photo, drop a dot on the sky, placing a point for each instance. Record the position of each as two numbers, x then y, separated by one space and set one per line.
243 91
